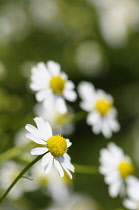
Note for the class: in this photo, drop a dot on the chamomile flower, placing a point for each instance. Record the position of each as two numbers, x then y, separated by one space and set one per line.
55 147
52 86
116 167
60 122
132 202
102 114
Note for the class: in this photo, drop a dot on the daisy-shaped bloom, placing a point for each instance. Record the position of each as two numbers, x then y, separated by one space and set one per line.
52 86
102 114
55 147
60 122
132 202
116 167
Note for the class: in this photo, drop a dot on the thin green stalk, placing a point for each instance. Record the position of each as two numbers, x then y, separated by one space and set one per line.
83 169
20 176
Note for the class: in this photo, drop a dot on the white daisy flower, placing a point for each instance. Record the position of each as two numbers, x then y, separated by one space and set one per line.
60 122
132 202
116 167
55 147
102 114
52 86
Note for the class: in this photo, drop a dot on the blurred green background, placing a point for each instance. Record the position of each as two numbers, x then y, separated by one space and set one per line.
93 40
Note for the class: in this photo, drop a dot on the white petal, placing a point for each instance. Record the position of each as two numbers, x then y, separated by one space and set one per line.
53 67
42 95
58 167
69 85
67 157
67 171
93 118
114 188
45 159
68 143
65 161
106 130
129 204
61 105
44 127
86 105
86 90
97 127
70 95
33 130
38 150
64 76
35 139
47 168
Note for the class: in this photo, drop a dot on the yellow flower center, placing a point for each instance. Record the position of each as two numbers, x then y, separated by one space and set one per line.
57 145
57 84
103 106
125 168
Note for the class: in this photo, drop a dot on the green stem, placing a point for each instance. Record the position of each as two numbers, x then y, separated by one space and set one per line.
20 176
83 169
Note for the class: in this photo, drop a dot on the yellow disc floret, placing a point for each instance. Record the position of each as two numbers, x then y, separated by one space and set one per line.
125 168
103 106
57 84
57 145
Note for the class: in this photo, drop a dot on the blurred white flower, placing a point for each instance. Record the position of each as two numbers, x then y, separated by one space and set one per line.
45 13
61 123
55 147
132 202
14 22
116 168
58 188
90 58
117 19
8 172
52 86
75 202
102 114
20 138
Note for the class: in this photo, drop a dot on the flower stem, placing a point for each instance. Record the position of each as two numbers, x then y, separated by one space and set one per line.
20 176
83 169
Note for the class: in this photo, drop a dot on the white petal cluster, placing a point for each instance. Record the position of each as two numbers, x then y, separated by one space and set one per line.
40 135
105 124
132 202
40 83
110 160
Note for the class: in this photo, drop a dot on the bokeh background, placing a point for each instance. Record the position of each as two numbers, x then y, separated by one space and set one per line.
93 40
